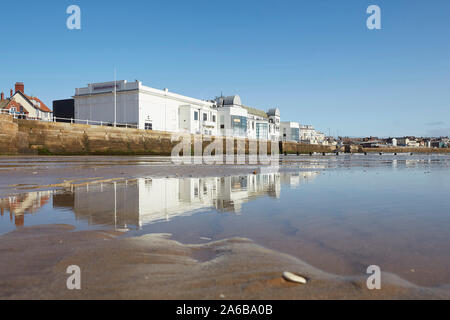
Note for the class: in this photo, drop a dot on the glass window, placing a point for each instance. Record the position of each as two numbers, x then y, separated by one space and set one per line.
148 126
214 118
261 130
239 125
295 134
205 117
196 115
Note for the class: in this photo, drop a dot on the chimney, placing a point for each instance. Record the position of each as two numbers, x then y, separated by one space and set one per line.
11 93
2 95
20 87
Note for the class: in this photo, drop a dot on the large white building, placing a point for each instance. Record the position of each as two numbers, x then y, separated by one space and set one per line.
133 104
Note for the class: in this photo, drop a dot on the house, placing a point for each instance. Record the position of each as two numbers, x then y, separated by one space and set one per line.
22 105
307 134
123 103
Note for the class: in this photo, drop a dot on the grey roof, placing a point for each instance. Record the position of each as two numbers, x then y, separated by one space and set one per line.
273 112
230 100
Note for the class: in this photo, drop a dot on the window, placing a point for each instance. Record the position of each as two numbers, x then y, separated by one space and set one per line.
195 115
222 126
205 117
261 130
148 126
214 118
295 134
239 125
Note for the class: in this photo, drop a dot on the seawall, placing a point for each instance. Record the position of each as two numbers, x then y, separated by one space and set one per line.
55 138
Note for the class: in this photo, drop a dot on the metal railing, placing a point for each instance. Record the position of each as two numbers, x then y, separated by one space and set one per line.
18 115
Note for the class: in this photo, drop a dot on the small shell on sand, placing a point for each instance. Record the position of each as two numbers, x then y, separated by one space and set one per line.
294 278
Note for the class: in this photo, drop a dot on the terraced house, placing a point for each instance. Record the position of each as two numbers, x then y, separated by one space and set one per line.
21 105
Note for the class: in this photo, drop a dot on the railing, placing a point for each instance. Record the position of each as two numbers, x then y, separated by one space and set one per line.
96 123
18 115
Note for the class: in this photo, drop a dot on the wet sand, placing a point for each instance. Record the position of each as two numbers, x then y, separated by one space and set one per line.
34 262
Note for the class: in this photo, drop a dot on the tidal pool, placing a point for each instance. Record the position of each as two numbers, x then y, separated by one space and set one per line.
338 214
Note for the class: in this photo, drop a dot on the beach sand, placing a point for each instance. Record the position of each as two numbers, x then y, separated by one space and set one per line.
34 262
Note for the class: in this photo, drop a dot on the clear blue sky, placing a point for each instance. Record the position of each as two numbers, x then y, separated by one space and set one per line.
315 60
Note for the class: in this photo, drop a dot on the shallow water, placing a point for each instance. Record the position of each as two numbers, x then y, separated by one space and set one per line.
340 214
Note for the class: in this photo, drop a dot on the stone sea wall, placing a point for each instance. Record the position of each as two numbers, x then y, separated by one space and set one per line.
50 138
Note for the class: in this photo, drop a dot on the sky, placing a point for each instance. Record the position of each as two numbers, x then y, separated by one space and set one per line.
316 60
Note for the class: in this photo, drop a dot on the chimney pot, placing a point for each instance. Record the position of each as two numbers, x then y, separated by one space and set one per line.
20 87
2 95
11 92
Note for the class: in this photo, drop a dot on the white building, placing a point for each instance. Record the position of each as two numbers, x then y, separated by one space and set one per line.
238 120
290 131
394 142
257 124
233 118
309 135
274 124
131 103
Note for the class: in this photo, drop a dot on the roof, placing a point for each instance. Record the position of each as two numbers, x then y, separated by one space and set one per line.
273 112
40 105
4 103
256 112
8 103
236 100
230 100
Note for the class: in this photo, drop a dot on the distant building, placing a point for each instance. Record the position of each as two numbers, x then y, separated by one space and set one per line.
290 131
22 105
394 142
238 120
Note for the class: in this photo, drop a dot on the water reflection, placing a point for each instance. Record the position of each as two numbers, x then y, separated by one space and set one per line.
136 202
19 205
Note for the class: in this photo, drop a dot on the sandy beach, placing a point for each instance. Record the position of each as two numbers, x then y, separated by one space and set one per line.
34 262
155 265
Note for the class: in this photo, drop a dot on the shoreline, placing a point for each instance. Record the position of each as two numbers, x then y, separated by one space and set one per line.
156 267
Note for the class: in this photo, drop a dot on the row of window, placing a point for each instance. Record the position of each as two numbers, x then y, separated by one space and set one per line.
205 116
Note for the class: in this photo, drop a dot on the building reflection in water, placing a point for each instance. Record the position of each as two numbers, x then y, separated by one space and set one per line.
19 205
137 202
